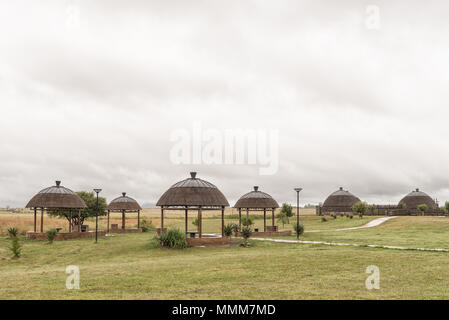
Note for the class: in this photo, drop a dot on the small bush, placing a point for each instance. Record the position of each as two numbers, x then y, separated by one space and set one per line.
246 234
51 235
196 222
299 229
250 221
228 229
334 215
147 226
13 232
350 216
173 238
323 219
16 247
235 228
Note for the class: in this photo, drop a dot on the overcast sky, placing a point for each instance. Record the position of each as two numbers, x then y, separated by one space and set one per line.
91 92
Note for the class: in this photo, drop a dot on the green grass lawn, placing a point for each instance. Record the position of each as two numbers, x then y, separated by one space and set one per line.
130 266
417 232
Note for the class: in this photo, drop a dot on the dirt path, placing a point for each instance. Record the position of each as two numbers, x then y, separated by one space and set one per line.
371 224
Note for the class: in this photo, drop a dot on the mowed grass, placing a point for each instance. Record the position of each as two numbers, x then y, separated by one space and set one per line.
131 266
410 231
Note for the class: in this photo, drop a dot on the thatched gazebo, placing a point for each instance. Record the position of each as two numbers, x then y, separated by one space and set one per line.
340 201
56 198
416 198
257 201
124 204
193 194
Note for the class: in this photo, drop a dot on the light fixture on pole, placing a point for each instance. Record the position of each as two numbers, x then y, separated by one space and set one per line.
97 191
298 190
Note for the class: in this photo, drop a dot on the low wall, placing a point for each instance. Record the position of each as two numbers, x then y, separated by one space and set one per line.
64 235
208 241
268 233
130 230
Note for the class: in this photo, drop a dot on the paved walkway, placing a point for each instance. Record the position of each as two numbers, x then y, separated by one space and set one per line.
373 223
350 244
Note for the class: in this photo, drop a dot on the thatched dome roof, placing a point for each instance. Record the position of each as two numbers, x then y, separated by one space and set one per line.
417 197
193 192
341 198
124 203
256 199
57 197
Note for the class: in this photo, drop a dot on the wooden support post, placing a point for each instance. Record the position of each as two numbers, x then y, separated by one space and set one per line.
200 222
272 218
240 218
138 219
79 220
123 219
109 211
162 219
222 221
264 220
187 219
70 222
35 218
247 217
42 220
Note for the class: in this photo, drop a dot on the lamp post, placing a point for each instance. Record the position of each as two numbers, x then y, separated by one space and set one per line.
298 190
97 191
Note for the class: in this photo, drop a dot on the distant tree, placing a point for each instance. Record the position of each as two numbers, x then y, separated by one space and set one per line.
196 222
403 205
360 208
423 208
282 218
446 207
91 201
287 210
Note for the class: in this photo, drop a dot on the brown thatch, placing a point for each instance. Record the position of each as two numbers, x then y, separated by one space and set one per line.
340 198
124 203
256 200
417 197
193 192
57 197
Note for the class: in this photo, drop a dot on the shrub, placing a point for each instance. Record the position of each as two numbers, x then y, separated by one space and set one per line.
228 229
235 228
246 234
51 235
299 229
173 238
334 215
146 226
13 232
350 216
196 222
360 208
323 219
250 221
16 247
446 207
